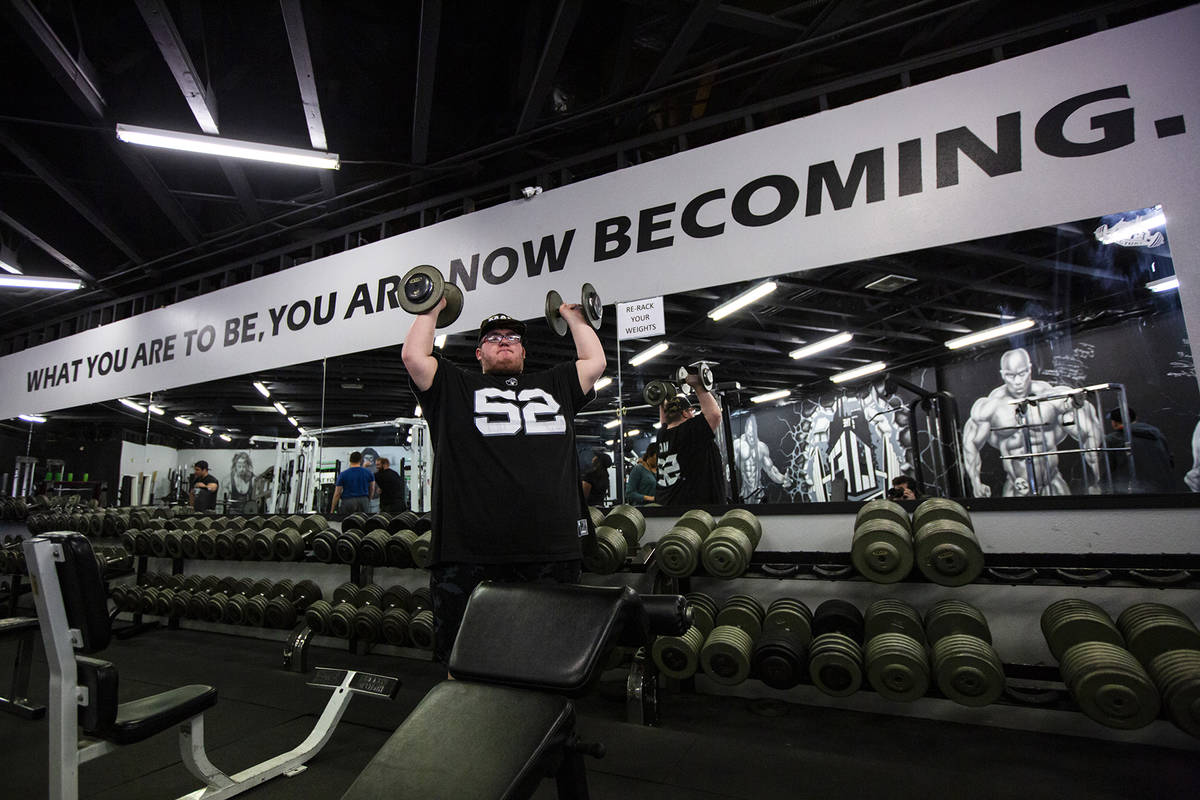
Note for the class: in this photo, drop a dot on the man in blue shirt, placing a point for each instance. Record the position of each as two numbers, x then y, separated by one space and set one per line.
354 485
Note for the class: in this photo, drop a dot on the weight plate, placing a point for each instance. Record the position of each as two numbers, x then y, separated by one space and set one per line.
629 521
940 508
883 509
892 616
678 656
725 657
593 309
838 616
553 318
1117 697
1177 675
835 664
882 550
726 553
704 611
1069 622
947 552
421 288
968 670
677 553
454 306
950 617
745 521
780 658
698 520
897 667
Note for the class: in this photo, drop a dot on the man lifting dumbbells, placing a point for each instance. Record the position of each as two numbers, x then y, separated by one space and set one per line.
506 496
689 463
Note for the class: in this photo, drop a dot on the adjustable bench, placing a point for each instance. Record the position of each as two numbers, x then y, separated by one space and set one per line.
506 721
72 607
24 631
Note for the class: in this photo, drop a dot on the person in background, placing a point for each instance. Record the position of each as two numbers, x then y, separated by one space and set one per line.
904 487
354 485
389 486
1153 469
203 493
690 470
595 480
641 487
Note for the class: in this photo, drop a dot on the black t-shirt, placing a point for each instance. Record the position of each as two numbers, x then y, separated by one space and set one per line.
204 499
598 478
505 470
391 485
689 464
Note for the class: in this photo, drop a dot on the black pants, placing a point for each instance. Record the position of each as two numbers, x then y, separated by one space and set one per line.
451 585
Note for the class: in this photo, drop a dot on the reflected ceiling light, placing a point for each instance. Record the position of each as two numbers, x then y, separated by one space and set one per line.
262 389
183 420
293 421
32 282
31 418
613 423
8 260
138 407
280 408
1132 232
998 332
228 148
206 429
602 383
156 410
648 353
657 425
226 437
609 442
418 411
858 372
769 396
634 432
1164 284
742 300
440 341
825 344
301 431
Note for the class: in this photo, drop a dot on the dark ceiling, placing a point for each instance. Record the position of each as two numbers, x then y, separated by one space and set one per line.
439 108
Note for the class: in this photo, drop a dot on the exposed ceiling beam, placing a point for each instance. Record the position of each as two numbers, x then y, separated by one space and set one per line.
46 247
427 50
765 25
306 78
561 29
73 73
1002 255
702 12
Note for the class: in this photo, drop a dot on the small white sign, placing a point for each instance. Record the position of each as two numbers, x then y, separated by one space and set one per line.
639 319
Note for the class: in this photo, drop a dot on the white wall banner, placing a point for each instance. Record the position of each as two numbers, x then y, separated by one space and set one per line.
1099 125
640 319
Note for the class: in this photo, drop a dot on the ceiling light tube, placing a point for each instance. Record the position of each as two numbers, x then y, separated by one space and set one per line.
183 421
632 433
226 437
33 282
301 431
858 372
8 260
206 429
293 421
998 332
613 423
825 344
262 389
649 353
742 300
439 341
31 418
778 394
602 383
417 412
280 408
155 410
1164 284
228 148
1122 230
138 407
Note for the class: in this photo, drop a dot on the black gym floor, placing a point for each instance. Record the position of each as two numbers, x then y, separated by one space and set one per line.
707 748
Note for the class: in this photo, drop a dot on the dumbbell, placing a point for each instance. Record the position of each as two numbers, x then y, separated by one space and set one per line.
835 655
398 549
726 552
896 659
678 551
656 392
589 300
372 550
423 287
781 653
396 617
967 669
882 548
947 551
703 369
422 550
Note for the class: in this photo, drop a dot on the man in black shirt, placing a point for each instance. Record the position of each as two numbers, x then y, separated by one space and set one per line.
203 493
595 480
506 492
389 486
689 463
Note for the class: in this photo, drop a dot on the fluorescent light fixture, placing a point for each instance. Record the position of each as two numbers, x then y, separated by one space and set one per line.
778 394
609 442
226 437
418 411
1127 230
649 353
31 418
183 420
155 410
280 408
262 389
825 344
998 332
8 260
32 282
206 429
440 341
634 432
1164 284
293 421
301 431
613 423
742 300
138 407
602 383
229 148
657 425
858 372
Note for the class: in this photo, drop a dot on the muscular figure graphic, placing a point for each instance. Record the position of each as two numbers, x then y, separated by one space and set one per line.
1192 478
753 459
1015 421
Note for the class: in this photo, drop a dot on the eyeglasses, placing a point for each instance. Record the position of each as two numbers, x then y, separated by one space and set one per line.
497 338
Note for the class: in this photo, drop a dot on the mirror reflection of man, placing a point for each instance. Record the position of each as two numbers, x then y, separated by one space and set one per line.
1014 420
689 462
203 494
389 486
753 458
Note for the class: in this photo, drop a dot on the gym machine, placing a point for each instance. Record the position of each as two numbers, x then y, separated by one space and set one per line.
72 608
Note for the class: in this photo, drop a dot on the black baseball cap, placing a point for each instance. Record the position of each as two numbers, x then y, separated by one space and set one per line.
500 321
676 405
202 464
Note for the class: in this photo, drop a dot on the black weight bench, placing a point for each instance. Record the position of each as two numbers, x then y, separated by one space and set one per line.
24 630
507 722
72 606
